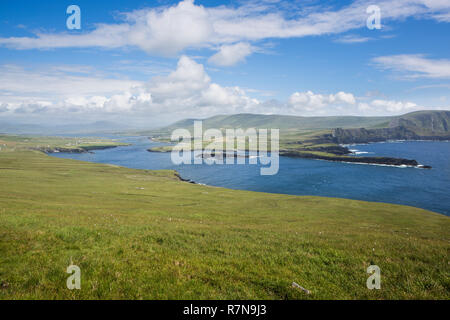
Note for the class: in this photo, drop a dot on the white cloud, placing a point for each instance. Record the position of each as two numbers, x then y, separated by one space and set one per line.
343 97
394 106
57 83
229 55
352 39
186 92
444 17
312 103
343 103
388 107
169 30
415 65
189 91
189 77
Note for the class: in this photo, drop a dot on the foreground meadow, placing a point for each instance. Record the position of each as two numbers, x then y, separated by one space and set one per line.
139 234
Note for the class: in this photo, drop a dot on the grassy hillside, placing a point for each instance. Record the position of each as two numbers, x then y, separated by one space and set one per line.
425 123
420 122
142 234
285 123
421 125
54 144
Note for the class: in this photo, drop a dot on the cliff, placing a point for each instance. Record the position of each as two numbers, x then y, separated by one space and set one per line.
420 125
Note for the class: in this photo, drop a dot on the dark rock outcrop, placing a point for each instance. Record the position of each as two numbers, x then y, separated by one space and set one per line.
337 150
85 149
184 180
419 125
362 135
367 160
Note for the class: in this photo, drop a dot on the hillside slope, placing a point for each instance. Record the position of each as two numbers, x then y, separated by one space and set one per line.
424 122
282 122
421 125
416 124
139 234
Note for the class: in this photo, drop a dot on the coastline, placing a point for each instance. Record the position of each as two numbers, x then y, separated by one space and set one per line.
84 149
387 161
192 179
346 145
180 225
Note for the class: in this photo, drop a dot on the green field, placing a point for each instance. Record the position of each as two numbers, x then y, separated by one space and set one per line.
52 144
282 122
139 234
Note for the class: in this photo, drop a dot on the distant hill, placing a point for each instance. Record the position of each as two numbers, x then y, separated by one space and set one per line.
424 122
282 122
52 128
323 137
421 122
420 125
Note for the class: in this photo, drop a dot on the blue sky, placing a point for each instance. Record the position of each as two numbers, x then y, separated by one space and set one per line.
153 62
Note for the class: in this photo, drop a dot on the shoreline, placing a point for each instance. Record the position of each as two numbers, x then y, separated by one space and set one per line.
143 212
385 161
182 179
382 161
87 149
178 175
346 145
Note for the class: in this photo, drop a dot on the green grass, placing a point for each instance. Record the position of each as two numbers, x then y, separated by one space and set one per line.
298 142
139 234
282 122
20 143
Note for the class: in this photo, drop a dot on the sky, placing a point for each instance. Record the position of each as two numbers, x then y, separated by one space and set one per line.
150 63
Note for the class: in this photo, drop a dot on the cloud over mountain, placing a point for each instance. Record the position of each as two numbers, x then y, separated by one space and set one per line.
187 91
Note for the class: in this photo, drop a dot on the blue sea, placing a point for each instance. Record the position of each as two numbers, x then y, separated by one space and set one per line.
423 188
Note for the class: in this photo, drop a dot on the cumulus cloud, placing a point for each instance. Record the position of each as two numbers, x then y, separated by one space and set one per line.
389 106
229 55
342 103
188 91
415 66
169 30
311 102
189 77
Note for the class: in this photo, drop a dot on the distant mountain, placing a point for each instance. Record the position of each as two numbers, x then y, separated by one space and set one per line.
422 123
323 137
282 122
49 129
7 127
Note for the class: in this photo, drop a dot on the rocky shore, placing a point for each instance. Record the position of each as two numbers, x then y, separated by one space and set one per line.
184 180
365 160
362 135
85 149
335 153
